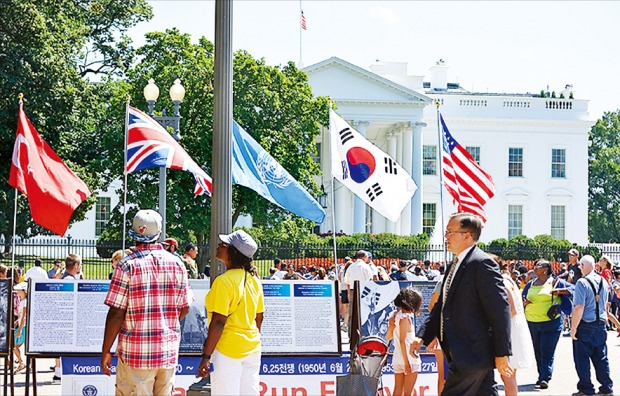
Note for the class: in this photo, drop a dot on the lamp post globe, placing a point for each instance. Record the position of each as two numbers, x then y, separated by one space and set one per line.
151 93
177 91
177 94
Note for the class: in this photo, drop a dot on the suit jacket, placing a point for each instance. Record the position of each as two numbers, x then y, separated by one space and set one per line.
476 315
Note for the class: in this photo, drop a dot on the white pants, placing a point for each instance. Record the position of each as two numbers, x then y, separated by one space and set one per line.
233 377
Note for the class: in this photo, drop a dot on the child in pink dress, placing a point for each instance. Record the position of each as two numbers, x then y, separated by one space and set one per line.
400 328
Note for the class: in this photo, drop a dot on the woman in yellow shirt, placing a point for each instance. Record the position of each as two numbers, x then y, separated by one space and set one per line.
545 330
235 309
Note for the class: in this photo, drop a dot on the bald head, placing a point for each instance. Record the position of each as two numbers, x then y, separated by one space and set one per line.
587 264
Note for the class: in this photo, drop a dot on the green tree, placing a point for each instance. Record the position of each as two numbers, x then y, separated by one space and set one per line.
46 50
273 104
604 183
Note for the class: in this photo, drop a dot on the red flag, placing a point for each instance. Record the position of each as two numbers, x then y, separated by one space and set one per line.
303 21
470 186
53 190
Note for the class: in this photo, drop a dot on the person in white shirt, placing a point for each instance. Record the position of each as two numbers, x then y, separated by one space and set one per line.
418 276
358 271
373 267
36 272
281 272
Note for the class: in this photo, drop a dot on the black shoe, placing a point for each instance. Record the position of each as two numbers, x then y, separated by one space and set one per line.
544 385
538 383
56 379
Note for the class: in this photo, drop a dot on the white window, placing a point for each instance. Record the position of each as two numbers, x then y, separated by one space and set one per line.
429 160
475 153
558 163
102 214
515 220
429 217
558 221
515 162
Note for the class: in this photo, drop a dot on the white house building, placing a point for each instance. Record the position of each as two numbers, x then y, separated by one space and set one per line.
536 149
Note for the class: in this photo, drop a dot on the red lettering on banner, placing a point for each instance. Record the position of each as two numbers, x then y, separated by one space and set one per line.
284 391
385 391
421 391
178 392
325 391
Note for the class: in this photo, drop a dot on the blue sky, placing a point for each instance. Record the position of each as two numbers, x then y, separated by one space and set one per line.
499 46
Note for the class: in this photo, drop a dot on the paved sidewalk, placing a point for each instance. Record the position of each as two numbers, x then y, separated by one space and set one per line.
564 380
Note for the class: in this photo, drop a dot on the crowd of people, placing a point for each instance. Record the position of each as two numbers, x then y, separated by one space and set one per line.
485 314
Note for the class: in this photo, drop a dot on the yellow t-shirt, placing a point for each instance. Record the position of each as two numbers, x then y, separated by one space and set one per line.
540 297
229 297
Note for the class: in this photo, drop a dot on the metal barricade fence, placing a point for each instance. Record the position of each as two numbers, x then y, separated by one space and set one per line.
96 255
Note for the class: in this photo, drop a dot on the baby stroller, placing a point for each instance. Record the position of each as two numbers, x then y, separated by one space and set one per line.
365 366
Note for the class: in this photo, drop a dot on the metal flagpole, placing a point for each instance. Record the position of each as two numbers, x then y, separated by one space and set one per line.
331 176
301 63
125 173
21 97
440 156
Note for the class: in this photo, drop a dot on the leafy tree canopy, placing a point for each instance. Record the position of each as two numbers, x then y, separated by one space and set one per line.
274 104
604 185
46 50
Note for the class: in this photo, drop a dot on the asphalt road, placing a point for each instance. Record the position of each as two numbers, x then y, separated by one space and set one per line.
564 380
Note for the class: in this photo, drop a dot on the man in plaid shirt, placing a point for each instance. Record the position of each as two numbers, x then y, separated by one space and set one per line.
148 297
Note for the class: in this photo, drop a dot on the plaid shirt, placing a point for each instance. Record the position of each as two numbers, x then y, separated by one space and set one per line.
151 286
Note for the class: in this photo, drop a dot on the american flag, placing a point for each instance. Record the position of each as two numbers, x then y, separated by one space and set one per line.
149 145
303 21
470 186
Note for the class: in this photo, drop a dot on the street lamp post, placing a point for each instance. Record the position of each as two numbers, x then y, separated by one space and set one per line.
177 93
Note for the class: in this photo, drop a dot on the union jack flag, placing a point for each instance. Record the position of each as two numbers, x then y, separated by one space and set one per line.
149 145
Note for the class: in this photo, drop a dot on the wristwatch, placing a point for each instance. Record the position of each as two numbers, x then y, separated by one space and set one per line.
205 356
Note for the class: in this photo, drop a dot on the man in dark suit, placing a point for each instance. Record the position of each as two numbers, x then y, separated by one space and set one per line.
472 317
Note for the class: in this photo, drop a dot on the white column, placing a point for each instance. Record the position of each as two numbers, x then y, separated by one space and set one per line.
393 152
405 217
359 206
344 219
416 175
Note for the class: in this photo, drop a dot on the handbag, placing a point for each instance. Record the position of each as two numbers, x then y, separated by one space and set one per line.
554 309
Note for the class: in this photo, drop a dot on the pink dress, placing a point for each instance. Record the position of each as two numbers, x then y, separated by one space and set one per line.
398 360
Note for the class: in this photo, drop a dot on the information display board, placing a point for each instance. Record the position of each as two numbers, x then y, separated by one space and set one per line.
301 317
194 327
66 316
377 303
5 326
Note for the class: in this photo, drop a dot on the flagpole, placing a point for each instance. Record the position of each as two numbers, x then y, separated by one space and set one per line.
333 195
14 233
21 101
125 172
440 156
301 63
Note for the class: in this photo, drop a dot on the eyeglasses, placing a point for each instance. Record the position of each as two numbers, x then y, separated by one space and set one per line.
448 232
541 266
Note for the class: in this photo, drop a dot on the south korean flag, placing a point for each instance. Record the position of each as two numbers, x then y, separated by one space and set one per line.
367 171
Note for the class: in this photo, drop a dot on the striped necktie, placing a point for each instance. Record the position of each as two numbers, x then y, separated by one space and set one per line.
445 293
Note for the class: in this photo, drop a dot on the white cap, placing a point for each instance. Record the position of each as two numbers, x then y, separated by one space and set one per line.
242 241
146 226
